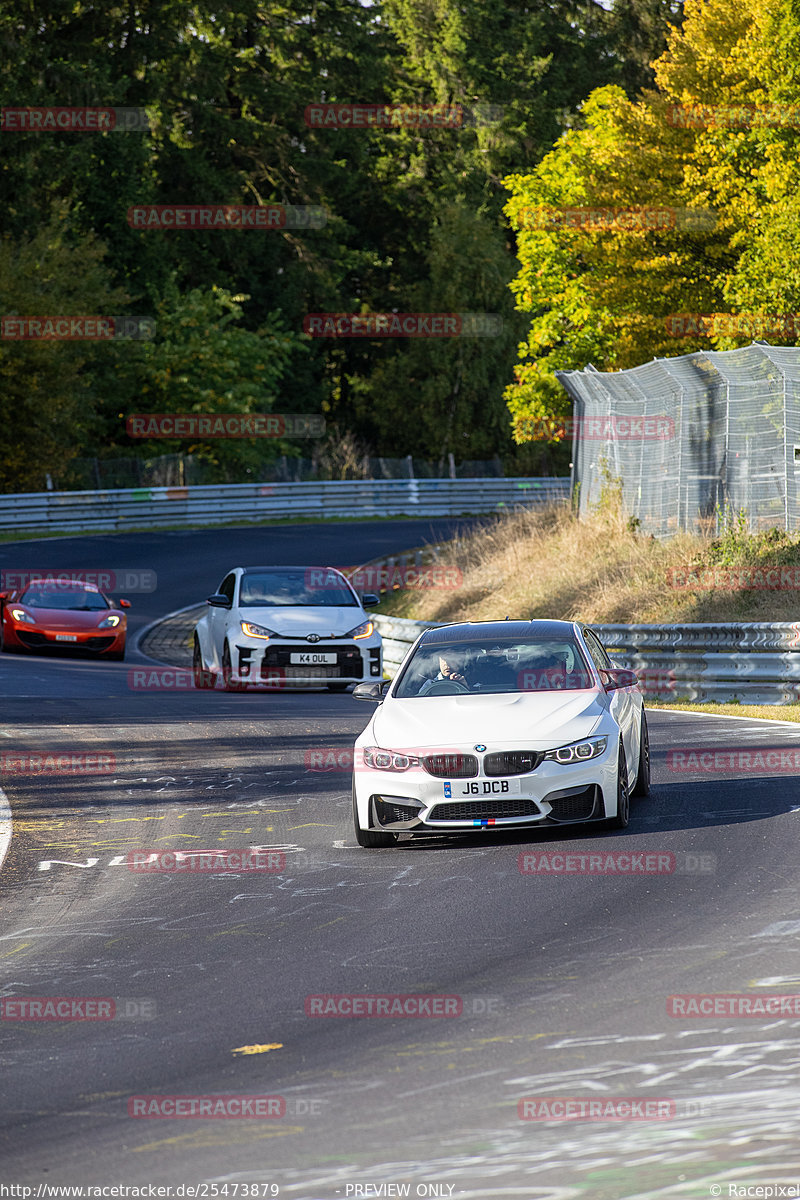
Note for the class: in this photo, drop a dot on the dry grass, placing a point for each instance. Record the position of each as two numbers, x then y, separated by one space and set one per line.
547 563
759 712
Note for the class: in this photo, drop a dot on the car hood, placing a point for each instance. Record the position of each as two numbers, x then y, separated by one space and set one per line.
297 622
62 618
539 721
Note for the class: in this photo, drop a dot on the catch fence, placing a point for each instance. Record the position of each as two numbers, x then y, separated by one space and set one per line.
723 439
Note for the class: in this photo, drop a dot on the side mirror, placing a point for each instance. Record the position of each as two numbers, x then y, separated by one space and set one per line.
124 603
618 677
219 600
4 595
372 691
369 599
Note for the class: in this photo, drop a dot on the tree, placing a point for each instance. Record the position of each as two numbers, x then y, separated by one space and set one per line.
50 401
203 361
603 296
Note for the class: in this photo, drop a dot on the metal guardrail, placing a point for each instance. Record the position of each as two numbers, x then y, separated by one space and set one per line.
754 663
136 508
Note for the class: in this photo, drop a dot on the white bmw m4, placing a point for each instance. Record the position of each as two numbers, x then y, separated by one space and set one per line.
500 725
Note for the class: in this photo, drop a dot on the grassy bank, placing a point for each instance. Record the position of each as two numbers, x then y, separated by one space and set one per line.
547 563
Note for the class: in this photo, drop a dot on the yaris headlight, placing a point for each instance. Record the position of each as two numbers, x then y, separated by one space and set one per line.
258 631
361 631
578 751
388 760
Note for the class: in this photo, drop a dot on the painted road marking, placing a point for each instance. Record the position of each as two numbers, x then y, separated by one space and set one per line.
779 929
46 863
6 826
258 1049
119 860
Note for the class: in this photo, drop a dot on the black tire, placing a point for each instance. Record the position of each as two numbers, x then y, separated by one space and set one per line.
366 837
227 671
202 678
620 821
642 785
338 687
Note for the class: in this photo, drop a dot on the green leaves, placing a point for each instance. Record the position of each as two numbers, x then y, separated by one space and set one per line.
602 294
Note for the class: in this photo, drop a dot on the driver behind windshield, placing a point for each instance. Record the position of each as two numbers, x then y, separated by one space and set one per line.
447 670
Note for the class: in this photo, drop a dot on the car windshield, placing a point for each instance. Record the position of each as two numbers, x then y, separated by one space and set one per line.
307 587
494 666
76 599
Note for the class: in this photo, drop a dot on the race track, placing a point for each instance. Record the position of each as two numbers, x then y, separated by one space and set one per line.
562 980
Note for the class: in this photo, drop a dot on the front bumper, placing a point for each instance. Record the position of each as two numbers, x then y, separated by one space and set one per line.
552 794
269 664
99 641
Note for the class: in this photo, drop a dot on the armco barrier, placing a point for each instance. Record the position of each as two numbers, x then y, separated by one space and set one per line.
136 508
752 663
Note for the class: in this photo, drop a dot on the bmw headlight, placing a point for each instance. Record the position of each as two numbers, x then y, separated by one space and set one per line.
110 621
578 751
361 631
387 760
19 614
259 631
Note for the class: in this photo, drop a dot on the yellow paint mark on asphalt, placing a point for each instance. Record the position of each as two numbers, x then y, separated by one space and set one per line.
258 1049
312 824
252 812
328 924
19 949
169 837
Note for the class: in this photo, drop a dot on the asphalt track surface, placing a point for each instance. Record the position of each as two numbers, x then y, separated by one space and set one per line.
562 980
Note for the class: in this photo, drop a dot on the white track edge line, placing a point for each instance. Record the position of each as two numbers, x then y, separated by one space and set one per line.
6 826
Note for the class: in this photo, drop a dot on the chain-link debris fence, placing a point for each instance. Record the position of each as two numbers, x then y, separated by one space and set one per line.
696 440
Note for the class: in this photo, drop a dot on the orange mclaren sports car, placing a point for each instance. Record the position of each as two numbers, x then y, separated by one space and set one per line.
73 616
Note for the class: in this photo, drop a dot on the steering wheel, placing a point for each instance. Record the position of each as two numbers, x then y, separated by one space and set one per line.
447 687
